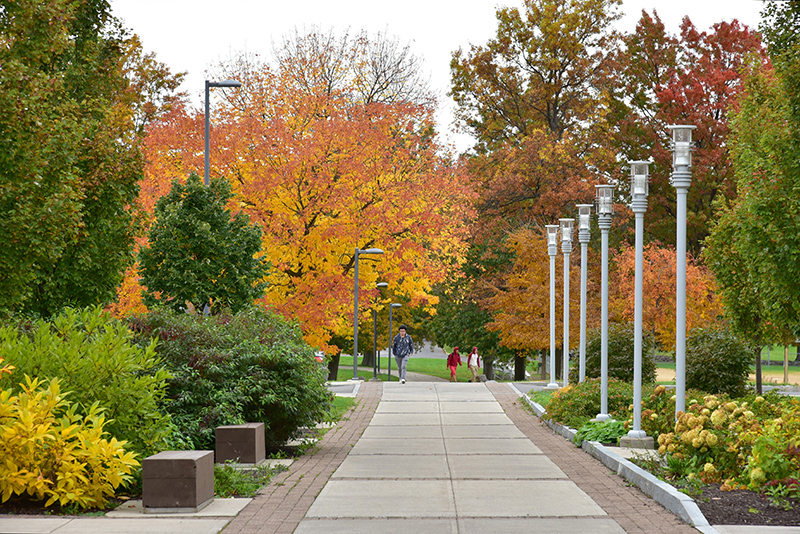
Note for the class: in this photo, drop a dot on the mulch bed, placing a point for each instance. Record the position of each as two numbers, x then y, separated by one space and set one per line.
743 507
24 506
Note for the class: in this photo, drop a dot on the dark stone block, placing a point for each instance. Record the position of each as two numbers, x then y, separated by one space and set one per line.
244 444
179 480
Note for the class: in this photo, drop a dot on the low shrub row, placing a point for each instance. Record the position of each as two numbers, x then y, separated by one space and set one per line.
89 395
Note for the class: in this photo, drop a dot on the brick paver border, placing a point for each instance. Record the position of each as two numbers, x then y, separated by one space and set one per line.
281 506
627 505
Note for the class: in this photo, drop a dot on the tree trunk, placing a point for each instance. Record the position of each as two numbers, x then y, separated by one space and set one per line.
519 368
368 359
543 365
333 368
758 371
559 364
488 368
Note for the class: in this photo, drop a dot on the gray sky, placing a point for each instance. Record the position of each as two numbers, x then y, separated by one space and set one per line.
191 35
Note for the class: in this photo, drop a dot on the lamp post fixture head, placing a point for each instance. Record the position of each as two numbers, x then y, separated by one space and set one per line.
369 251
681 146
224 83
640 179
605 199
584 222
566 229
381 284
552 239
396 305
566 235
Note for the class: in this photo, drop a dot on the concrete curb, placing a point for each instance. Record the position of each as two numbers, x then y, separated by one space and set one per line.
666 495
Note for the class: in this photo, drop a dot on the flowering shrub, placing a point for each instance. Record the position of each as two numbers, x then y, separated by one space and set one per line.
749 442
576 404
658 410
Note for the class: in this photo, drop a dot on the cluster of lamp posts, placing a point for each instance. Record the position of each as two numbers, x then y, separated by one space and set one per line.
392 306
640 175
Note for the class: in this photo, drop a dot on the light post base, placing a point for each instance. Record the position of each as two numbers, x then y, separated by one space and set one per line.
602 417
645 442
552 385
359 379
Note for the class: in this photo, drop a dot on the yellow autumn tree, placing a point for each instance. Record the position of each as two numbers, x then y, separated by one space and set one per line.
325 167
519 299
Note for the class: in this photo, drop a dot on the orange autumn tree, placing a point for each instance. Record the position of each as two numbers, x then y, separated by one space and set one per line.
519 298
325 166
658 290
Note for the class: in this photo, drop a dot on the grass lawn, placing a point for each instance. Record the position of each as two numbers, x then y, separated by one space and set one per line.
775 354
426 366
771 374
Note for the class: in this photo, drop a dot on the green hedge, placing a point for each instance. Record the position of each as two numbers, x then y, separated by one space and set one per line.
620 355
717 361
253 366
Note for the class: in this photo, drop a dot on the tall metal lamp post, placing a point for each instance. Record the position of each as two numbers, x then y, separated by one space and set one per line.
566 248
605 208
392 306
379 285
639 189
225 83
681 179
584 225
552 250
355 309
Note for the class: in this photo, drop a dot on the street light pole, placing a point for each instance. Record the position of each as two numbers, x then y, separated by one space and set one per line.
566 248
584 224
552 250
379 285
392 306
605 207
681 179
355 307
225 83
639 184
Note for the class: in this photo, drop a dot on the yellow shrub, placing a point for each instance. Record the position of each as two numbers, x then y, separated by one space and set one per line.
54 455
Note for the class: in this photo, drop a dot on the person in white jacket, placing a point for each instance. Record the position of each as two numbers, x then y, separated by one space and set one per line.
474 364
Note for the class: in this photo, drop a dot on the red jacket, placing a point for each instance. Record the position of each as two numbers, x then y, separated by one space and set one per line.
454 359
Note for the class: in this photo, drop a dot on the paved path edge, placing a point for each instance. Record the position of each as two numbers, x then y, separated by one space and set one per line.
665 494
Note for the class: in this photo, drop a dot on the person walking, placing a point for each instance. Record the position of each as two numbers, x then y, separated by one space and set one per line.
453 360
474 364
403 349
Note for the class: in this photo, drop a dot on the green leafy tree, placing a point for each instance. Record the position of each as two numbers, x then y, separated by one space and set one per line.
752 249
70 162
544 70
199 252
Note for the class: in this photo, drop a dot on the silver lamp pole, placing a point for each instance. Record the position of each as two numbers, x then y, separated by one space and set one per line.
605 208
226 83
379 285
355 308
584 226
639 186
681 179
566 248
552 250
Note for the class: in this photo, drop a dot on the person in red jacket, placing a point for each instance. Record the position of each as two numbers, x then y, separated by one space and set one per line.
453 360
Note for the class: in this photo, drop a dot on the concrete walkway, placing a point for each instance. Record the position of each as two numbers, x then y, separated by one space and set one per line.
423 457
